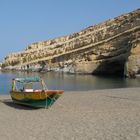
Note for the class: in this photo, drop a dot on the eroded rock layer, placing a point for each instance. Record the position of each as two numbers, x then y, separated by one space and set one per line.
112 47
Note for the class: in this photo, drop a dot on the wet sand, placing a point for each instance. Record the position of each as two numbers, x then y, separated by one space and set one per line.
112 114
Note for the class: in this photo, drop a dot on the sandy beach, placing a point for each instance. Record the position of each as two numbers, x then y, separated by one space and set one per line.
112 114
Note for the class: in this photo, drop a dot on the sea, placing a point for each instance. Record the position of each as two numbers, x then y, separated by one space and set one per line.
69 82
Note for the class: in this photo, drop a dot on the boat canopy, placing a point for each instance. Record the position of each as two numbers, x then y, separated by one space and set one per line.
28 79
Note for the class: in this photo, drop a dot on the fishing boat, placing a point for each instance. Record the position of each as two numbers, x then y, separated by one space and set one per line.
32 91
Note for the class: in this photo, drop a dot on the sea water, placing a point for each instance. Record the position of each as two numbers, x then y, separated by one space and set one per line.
69 82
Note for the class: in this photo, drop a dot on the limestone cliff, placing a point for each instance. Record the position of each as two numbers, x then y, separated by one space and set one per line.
112 47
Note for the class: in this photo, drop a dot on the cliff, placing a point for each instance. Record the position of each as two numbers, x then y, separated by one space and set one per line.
112 47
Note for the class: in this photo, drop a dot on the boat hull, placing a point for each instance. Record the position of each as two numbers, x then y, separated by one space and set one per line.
39 99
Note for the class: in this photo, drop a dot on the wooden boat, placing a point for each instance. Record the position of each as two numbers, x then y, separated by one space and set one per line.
32 91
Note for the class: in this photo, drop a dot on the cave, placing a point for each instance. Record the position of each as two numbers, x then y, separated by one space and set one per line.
115 68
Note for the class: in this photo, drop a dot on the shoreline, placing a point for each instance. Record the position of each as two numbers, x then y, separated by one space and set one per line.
85 91
95 114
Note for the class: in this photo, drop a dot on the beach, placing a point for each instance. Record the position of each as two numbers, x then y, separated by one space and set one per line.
111 114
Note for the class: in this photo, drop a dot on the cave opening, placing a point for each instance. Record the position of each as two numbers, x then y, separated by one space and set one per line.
115 68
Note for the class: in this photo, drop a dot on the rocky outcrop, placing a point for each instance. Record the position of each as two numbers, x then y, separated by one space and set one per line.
112 47
0 65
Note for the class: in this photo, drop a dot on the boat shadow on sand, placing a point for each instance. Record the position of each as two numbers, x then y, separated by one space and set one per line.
11 104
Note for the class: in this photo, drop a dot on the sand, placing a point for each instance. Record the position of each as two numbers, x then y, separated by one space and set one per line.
112 114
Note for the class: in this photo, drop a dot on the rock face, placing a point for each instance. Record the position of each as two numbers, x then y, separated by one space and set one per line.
112 47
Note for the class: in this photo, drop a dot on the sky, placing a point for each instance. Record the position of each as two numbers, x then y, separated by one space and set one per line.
23 22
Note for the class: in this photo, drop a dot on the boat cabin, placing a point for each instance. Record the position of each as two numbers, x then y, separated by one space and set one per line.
28 84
